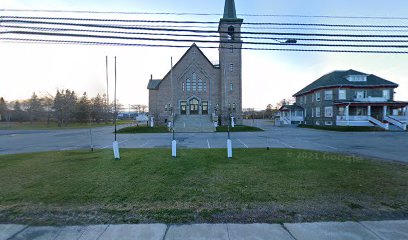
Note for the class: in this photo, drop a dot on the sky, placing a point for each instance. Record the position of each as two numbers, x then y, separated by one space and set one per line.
268 76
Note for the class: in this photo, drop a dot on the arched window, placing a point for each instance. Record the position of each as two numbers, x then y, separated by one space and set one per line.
194 82
188 85
231 32
200 85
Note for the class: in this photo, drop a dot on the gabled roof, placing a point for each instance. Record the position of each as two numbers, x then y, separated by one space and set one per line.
293 107
154 84
339 79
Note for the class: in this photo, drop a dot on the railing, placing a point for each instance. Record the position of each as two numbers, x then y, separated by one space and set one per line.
400 118
371 99
285 120
396 122
377 122
352 118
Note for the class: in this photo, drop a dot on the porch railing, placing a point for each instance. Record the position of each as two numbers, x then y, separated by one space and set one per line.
395 122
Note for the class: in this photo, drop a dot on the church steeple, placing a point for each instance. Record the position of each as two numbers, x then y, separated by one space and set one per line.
229 10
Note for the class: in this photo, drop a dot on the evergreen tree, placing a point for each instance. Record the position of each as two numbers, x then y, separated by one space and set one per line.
34 107
83 109
3 109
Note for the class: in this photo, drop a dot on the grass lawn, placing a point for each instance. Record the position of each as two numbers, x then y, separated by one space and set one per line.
144 129
54 125
239 128
201 185
344 128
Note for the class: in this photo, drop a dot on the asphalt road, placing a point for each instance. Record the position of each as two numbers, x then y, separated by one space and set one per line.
380 145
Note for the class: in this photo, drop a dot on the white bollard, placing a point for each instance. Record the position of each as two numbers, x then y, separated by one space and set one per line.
152 122
229 148
116 150
174 148
232 122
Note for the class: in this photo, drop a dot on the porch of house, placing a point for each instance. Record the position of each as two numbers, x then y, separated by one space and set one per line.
390 115
290 117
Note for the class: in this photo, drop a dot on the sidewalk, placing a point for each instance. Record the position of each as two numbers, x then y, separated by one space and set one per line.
384 230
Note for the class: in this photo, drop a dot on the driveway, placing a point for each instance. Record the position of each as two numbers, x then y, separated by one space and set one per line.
380 145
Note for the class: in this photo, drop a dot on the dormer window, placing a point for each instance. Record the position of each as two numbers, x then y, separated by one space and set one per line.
357 78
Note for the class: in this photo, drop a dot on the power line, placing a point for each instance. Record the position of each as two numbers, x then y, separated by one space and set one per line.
209 14
14 40
204 31
5 19
199 35
197 40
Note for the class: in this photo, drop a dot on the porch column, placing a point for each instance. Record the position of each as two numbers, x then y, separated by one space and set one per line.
347 113
384 111
290 116
369 111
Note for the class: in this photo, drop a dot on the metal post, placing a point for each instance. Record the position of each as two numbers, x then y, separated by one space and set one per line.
174 146
115 143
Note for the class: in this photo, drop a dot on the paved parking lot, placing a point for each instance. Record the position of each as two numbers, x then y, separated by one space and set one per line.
381 145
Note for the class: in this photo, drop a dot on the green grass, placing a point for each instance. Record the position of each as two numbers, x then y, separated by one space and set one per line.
239 128
143 129
54 125
344 128
200 185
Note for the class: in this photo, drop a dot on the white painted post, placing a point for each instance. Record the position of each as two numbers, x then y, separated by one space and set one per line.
369 111
215 124
116 150
174 148
347 114
290 117
232 122
152 122
229 148
384 111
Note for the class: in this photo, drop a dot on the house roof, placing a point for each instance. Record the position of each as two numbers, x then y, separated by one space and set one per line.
339 79
154 84
293 107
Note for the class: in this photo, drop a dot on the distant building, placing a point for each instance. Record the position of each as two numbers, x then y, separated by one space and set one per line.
198 90
351 98
289 115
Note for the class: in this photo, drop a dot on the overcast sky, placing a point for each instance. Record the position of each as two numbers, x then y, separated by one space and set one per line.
268 76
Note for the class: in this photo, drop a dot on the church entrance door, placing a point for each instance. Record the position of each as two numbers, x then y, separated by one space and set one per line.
193 106
183 108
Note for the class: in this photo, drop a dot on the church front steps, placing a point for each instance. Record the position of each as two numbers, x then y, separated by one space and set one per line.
193 124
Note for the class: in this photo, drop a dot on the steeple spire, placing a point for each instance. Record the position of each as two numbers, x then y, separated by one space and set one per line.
229 10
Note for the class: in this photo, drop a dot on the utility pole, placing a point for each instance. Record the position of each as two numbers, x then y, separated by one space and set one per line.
115 143
107 89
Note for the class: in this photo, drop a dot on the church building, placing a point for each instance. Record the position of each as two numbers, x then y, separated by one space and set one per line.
196 90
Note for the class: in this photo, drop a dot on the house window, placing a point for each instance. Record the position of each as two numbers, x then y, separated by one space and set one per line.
231 48
234 107
357 78
165 107
205 86
194 82
361 94
231 67
342 94
317 111
183 86
305 99
301 100
188 85
328 95
386 94
328 111
200 85
231 86
341 111
317 96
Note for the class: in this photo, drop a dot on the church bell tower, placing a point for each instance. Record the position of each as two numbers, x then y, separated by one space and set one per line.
231 63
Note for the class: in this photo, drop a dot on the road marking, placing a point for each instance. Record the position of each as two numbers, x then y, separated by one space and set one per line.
318 144
239 140
208 144
281 142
